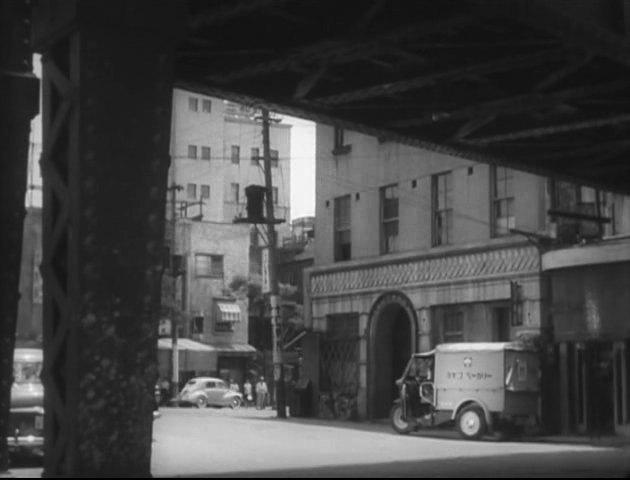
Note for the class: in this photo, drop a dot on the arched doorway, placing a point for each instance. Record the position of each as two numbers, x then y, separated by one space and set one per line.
391 342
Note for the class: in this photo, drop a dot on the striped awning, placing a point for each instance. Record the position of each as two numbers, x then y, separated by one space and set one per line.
230 312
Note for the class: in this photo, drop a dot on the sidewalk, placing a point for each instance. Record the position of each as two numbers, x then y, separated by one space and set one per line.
383 425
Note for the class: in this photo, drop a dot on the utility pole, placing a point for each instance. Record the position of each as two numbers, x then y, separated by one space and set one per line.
278 370
174 188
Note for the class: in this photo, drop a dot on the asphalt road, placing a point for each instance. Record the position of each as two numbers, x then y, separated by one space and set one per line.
194 443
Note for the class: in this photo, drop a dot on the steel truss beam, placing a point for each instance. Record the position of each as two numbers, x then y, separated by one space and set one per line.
342 51
554 129
573 31
508 63
516 104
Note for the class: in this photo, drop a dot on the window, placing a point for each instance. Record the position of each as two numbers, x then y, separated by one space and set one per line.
236 154
453 327
442 209
343 245
193 104
389 218
340 146
208 265
255 156
191 191
198 324
192 151
205 191
206 106
274 158
502 201
275 195
205 153
235 192
569 198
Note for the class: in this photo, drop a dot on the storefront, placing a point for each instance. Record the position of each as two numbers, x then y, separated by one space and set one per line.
590 287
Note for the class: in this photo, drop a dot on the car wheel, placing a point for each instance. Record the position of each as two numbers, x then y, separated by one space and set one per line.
399 424
202 402
471 423
235 403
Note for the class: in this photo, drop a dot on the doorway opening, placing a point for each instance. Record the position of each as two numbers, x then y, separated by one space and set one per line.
392 343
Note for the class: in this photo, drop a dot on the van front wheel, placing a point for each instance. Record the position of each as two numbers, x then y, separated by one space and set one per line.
399 424
471 423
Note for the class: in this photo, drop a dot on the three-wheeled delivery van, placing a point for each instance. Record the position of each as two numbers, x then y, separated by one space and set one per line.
483 387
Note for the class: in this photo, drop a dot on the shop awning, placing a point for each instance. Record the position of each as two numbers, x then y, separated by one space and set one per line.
236 350
230 312
193 356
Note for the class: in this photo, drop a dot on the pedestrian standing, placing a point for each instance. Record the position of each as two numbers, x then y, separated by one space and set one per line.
247 390
261 393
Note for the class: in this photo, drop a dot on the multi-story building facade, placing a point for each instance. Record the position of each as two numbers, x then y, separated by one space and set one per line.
216 152
416 248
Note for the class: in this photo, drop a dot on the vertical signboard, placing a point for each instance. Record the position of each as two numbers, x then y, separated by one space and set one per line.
266 286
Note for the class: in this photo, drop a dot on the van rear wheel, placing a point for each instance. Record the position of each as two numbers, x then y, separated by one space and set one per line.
471 423
399 424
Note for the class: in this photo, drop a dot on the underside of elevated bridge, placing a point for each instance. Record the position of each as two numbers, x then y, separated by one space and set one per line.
541 86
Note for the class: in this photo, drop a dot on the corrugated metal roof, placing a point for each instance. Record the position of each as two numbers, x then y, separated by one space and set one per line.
185 344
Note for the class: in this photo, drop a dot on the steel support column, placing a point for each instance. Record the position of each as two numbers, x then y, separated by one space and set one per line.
18 105
107 78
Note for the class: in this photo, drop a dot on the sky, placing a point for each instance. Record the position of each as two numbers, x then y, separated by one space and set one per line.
302 167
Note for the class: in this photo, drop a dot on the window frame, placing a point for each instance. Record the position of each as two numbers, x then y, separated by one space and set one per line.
235 193
193 104
206 149
192 152
389 222
235 154
207 190
437 213
206 102
500 196
339 142
255 155
274 157
198 324
191 187
342 229
209 270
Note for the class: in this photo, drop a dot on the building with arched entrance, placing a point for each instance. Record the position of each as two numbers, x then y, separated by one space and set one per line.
416 248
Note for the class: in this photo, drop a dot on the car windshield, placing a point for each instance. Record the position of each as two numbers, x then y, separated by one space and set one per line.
27 372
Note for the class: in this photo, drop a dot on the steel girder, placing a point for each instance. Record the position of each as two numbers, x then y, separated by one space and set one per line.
107 79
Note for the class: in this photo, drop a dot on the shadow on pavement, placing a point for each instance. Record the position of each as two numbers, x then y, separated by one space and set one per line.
593 464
